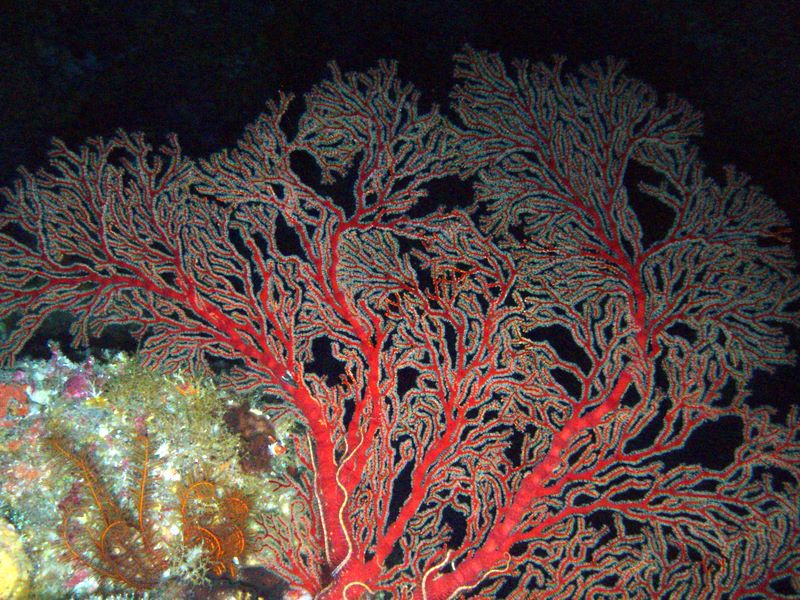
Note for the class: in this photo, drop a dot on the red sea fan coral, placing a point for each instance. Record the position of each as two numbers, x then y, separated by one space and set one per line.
525 383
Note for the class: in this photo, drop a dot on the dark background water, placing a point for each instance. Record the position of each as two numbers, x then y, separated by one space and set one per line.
74 69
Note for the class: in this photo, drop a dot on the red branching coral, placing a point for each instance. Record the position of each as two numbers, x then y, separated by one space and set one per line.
527 382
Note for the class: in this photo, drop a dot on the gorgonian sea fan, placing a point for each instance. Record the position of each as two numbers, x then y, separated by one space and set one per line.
512 388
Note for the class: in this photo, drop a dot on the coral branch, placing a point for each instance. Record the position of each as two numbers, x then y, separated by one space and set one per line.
505 399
